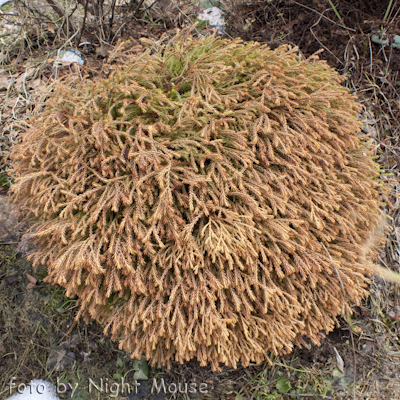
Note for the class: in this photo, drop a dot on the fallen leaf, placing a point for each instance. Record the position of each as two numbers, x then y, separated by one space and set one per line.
283 385
31 279
142 374
339 361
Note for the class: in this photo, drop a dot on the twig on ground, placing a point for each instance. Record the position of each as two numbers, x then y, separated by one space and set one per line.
320 41
83 4
83 22
138 7
323 16
111 20
150 6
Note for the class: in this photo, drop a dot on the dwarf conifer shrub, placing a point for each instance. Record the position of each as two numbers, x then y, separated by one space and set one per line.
207 200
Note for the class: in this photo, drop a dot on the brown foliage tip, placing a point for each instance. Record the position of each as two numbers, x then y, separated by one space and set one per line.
187 198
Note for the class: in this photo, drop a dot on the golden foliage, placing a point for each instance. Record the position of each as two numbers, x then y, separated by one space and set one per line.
187 199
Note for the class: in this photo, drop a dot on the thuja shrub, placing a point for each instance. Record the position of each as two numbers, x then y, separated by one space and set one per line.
209 199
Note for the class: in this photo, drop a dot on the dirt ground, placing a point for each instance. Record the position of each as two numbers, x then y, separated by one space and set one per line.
359 360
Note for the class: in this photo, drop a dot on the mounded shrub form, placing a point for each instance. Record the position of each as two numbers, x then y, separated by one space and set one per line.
209 199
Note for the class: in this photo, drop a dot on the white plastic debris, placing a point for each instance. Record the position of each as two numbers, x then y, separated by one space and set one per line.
214 16
67 57
382 38
38 389
2 2
396 41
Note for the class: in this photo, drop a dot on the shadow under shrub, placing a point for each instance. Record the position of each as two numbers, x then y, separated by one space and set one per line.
187 199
